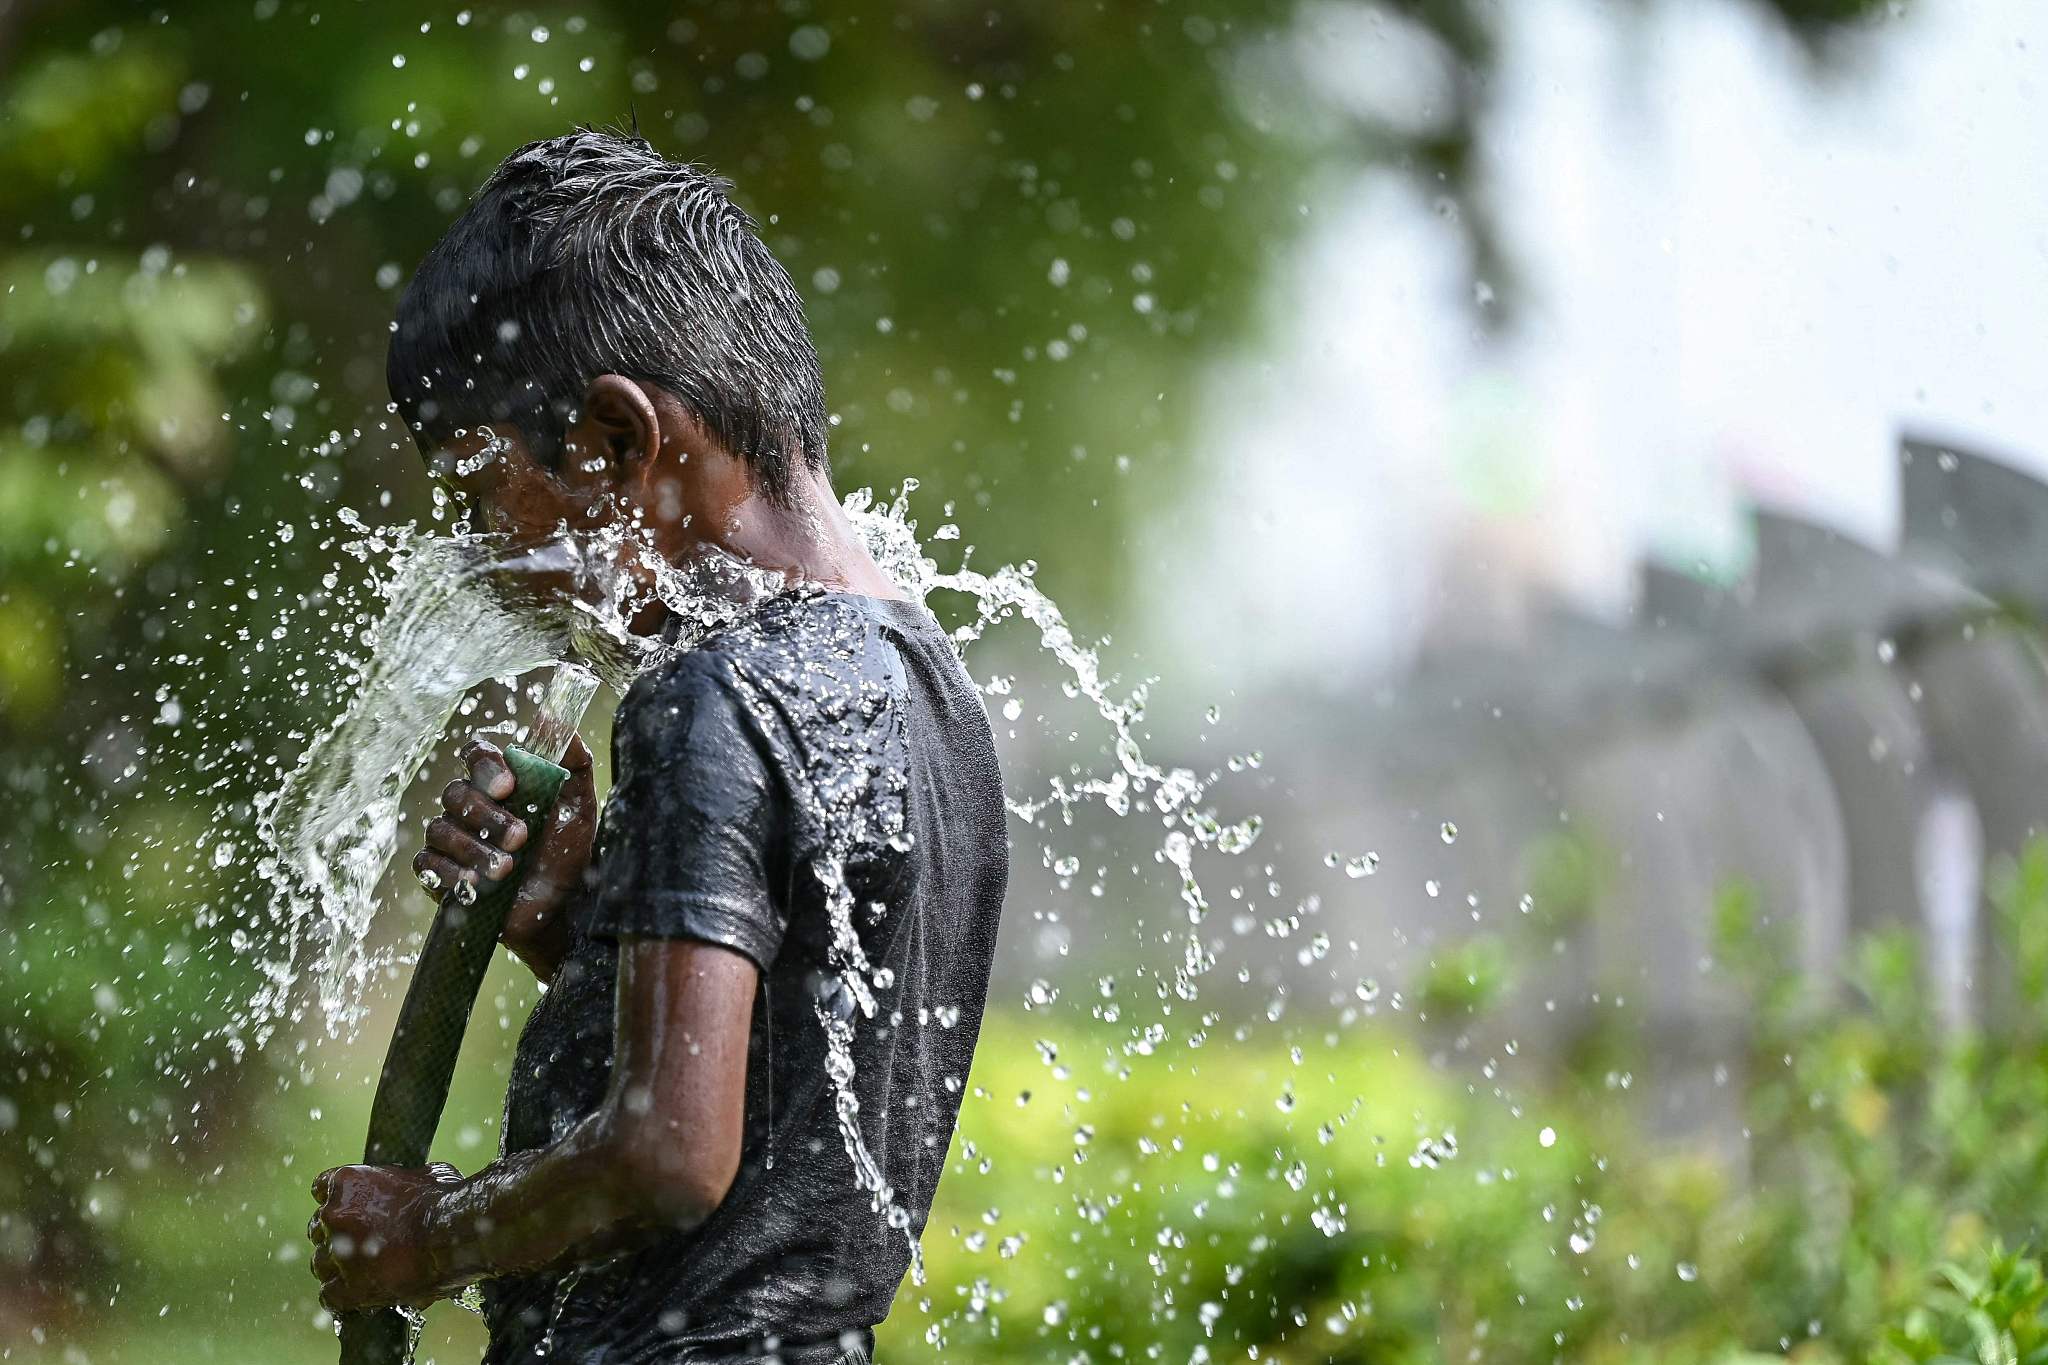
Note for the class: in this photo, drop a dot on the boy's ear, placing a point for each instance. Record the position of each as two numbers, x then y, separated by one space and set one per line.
619 422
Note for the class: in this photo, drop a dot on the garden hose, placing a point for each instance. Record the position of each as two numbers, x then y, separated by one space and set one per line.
413 1087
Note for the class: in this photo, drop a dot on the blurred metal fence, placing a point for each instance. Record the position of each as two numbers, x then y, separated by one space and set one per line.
1853 732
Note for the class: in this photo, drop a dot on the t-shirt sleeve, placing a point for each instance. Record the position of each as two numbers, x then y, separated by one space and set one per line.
695 819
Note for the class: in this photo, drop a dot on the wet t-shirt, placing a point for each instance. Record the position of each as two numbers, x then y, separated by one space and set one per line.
814 787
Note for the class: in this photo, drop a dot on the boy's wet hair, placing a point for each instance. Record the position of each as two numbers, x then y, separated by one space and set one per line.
591 253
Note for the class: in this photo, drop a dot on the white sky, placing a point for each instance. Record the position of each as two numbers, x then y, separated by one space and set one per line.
1732 278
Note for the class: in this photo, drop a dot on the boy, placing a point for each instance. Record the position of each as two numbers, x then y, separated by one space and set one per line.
802 860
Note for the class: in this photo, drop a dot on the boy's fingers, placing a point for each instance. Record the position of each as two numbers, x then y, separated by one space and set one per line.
483 816
465 848
487 769
438 872
476 746
580 786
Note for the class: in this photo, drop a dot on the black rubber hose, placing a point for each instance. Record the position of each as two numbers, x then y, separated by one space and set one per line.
413 1088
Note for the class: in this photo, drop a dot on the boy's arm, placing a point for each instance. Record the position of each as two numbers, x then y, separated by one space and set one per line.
657 1155
690 871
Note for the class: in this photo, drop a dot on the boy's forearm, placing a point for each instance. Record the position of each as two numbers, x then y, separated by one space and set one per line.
561 1204
657 1157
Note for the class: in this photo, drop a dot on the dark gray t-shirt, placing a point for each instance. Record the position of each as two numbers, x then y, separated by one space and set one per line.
826 741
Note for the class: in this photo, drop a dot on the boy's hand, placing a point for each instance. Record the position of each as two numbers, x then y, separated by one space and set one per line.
472 840
369 1235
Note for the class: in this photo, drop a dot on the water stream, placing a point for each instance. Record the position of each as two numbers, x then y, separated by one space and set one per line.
331 828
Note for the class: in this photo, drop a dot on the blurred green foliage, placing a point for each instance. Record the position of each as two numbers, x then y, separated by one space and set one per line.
1987 1311
1303 1202
1331 1193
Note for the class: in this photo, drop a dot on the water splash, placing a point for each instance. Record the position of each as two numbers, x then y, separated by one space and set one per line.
1136 782
858 806
1174 794
334 824
460 610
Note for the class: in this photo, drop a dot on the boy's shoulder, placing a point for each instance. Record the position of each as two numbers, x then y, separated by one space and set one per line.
798 653
780 640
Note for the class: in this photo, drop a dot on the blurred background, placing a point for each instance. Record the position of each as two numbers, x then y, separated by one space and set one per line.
1571 469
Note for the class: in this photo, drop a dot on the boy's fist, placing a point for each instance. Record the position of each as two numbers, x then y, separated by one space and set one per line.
472 841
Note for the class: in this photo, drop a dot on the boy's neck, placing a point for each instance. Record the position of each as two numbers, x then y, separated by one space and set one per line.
808 541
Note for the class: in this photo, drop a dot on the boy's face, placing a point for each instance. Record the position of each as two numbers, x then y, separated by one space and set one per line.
635 461
499 487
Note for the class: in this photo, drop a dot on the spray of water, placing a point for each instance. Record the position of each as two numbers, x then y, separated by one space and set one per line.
460 610
1136 782
1175 795
334 824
